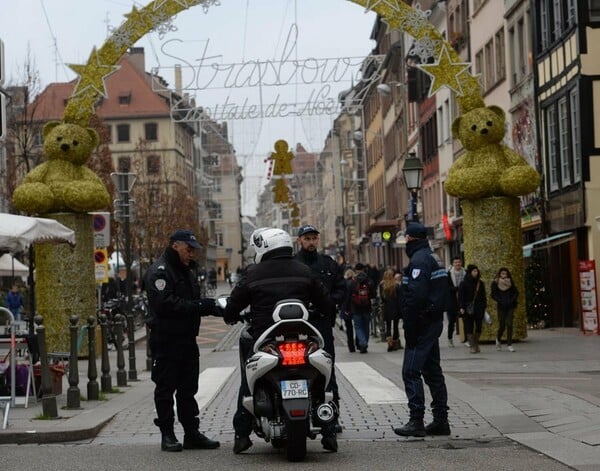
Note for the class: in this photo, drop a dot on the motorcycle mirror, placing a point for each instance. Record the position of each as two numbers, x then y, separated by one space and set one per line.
222 301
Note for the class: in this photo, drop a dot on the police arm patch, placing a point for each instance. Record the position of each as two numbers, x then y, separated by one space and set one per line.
160 284
415 273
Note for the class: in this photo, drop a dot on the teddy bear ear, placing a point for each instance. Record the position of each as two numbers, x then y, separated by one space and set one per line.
456 127
497 110
94 137
49 126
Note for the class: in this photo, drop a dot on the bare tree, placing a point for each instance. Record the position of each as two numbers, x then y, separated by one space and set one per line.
161 205
24 139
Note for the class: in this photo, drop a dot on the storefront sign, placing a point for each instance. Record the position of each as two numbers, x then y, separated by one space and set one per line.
589 296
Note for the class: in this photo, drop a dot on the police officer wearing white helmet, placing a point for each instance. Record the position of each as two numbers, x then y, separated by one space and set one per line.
274 276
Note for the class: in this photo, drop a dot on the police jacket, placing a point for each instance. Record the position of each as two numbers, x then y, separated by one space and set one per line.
278 276
328 271
174 300
425 283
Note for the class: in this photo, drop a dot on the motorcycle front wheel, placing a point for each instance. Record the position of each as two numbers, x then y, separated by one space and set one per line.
296 440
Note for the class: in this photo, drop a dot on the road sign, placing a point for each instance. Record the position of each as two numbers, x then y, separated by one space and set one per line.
376 239
101 222
123 181
101 265
2 69
2 116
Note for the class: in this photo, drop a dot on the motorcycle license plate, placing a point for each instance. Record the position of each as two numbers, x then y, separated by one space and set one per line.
294 389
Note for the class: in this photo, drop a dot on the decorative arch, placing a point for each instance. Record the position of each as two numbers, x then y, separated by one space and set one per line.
447 70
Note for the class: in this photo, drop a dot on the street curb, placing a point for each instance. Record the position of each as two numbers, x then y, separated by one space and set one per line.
84 425
22 438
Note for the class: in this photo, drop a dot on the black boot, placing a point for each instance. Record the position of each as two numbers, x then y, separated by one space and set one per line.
438 427
198 441
330 443
241 443
169 441
414 428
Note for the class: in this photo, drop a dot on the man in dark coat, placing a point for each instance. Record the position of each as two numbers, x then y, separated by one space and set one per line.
332 277
175 308
426 296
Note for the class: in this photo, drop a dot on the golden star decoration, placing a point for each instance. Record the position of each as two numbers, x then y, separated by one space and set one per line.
444 72
93 74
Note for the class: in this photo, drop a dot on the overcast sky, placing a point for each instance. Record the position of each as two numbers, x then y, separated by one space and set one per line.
65 31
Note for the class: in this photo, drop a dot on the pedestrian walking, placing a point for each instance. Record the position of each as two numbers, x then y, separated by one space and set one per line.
358 302
456 275
426 293
505 293
390 294
472 304
175 308
346 315
14 302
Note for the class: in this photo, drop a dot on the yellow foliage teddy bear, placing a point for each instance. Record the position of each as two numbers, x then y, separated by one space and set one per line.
63 183
488 168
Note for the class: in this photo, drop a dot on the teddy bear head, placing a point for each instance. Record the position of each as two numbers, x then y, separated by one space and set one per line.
480 127
69 142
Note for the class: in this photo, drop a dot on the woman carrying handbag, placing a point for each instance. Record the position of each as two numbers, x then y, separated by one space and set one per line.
472 304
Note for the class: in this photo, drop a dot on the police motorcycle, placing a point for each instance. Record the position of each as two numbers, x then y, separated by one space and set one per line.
287 374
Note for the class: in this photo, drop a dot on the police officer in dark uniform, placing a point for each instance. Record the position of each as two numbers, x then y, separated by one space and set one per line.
332 277
175 308
275 276
426 297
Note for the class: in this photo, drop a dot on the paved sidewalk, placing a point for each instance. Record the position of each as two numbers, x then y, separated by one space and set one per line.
561 423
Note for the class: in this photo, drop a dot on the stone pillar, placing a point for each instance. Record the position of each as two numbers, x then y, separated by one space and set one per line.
492 235
65 280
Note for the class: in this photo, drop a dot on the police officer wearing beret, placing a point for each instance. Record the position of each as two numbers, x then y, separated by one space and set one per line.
175 308
426 297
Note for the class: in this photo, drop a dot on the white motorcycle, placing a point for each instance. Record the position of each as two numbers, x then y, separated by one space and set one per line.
287 374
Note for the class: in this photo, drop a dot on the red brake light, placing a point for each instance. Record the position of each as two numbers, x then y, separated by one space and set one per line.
292 353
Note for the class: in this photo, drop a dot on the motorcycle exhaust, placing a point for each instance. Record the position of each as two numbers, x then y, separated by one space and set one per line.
326 412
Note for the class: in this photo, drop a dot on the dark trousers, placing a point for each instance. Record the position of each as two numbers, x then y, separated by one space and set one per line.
391 328
452 323
323 325
424 361
350 333
175 371
472 324
505 320
242 419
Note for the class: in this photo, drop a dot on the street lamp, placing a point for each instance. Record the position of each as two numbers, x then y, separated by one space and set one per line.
413 178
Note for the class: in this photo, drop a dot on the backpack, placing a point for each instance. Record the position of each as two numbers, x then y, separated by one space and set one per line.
361 295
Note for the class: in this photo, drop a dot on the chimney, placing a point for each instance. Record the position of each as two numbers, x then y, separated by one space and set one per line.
137 58
178 79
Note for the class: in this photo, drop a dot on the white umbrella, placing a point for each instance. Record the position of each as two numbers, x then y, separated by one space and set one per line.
19 232
10 266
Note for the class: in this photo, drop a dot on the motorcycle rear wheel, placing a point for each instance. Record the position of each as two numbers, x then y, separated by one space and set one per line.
296 440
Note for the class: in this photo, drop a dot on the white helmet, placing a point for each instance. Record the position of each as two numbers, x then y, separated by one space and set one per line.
267 239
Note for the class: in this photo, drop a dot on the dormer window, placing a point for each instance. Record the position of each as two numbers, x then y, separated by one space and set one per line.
125 97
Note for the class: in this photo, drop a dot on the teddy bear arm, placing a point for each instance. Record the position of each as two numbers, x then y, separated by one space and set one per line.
37 174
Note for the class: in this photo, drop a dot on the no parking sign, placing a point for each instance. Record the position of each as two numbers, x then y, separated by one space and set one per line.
101 229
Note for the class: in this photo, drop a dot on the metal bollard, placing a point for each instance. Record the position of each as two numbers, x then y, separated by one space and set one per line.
121 373
73 393
131 346
148 349
93 394
49 407
105 379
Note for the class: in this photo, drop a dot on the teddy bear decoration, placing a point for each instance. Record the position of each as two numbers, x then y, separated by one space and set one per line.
63 183
488 167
